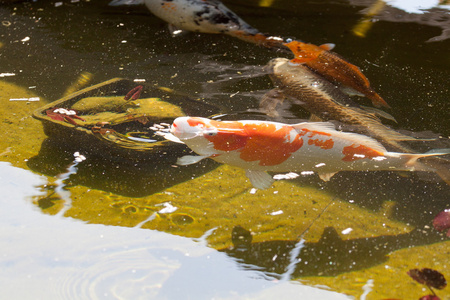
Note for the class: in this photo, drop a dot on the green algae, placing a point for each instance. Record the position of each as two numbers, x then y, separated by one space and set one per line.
98 104
390 279
207 203
212 204
221 199
146 107
21 136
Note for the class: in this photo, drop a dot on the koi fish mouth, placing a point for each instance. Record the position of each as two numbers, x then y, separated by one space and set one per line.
270 66
183 130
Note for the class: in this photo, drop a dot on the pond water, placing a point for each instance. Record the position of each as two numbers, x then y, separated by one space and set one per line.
116 227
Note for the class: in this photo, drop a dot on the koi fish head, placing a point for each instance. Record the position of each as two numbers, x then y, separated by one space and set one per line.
186 128
303 50
305 53
286 74
268 143
208 137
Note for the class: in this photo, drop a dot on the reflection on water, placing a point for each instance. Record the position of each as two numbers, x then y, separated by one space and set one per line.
376 227
432 13
66 259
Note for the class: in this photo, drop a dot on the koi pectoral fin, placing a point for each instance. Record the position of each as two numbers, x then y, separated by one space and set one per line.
270 101
259 179
190 159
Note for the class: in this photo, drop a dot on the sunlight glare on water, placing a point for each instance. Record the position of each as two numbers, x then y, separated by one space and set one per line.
74 260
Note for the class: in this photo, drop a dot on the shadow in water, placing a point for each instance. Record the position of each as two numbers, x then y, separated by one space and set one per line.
118 175
330 256
409 197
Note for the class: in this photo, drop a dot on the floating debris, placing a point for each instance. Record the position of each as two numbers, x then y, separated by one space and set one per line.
7 74
79 157
290 175
168 208
276 213
31 99
347 230
64 115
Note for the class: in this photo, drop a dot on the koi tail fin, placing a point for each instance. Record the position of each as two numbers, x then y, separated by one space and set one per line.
430 162
271 42
441 169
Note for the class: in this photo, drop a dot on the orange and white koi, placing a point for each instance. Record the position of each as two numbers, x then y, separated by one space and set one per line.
334 68
207 16
261 146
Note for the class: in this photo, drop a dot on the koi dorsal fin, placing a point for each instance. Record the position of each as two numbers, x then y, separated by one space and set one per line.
328 46
355 138
316 126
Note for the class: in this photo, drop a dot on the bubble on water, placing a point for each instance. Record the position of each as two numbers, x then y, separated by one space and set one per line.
315 84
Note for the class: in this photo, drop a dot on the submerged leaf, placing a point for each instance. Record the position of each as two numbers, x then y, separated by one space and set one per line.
430 297
135 93
428 277
54 115
442 221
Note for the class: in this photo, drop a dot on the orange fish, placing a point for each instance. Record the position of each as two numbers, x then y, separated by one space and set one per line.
334 68
260 146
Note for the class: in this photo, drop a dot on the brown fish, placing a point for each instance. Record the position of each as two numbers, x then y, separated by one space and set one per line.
323 99
334 68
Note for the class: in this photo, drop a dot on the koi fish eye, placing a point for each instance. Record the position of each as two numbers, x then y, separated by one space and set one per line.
210 132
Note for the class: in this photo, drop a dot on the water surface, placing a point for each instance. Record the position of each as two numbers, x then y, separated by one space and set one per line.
99 229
